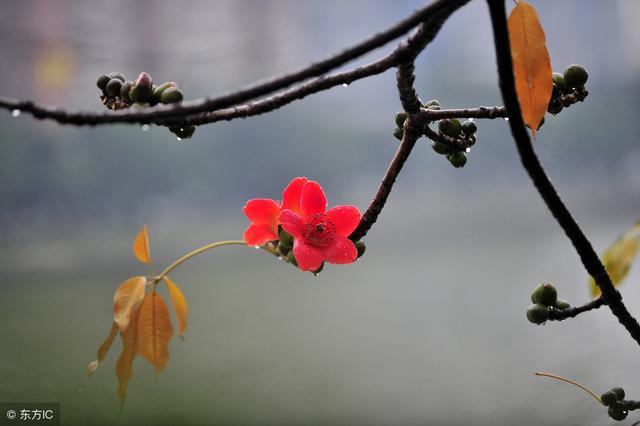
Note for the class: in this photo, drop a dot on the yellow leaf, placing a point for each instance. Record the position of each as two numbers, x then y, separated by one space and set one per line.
617 259
154 331
127 296
531 63
103 349
141 246
124 365
179 304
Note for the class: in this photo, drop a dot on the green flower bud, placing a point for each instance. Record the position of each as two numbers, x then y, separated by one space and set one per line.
140 93
102 82
617 413
432 102
575 76
140 105
117 75
398 132
360 246
469 127
144 80
545 294
609 398
292 259
537 313
441 148
562 304
457 159
619 393
450 127
142 89
284 250
171 95
124 91
400 117
157 92
434 107
317 271
113 87
558 80
286 239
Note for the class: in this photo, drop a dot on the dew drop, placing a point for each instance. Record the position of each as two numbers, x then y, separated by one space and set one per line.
179 138
345 84
256 247
145 127
470 119
16 113
467 150
506 119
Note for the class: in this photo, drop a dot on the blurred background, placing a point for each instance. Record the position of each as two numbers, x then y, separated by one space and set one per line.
427 328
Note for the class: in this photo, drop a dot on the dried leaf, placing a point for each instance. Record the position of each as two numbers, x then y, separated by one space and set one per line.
179 304
531 63
124 365
141 246
617 259
127 296
103 349
154 331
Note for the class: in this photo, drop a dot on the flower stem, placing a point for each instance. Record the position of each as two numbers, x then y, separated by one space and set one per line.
584 388
201 250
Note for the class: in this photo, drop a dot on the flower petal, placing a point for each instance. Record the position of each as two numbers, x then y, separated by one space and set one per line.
257 235
345 219
262 211
341 252
292 223
291 194
312 200
309 258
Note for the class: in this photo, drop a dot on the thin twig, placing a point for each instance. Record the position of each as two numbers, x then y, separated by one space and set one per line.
564 379
412 128
536 172
563 314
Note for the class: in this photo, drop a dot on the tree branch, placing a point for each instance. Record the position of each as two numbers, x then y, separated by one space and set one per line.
562 314
540 179
256 90
413 125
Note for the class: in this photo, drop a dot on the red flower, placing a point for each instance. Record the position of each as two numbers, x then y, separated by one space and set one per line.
319 235
264 213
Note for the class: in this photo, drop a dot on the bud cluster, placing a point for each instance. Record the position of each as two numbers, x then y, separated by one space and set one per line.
454 137
612 399
568 88
118 93
544 298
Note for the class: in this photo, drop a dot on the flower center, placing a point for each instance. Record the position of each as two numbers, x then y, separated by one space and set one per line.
318 230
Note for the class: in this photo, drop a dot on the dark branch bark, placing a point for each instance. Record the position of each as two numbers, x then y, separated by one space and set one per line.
540 179
562 314
162 112
412 126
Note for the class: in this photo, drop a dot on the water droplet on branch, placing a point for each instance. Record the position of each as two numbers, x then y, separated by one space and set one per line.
145 127
16 113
